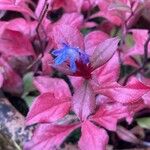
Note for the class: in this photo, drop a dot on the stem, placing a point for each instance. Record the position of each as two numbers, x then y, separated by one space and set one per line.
146 49
43 12
131 74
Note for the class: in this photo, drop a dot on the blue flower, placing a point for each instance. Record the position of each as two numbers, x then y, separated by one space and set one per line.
71 54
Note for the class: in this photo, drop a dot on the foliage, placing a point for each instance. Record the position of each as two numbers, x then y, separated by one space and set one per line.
70 58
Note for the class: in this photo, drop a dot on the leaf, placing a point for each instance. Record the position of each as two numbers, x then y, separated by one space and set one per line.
93 39
92 137
107 73
48 108
12 81
130 93
107 113
29 100
27 83
54 85
146 98
49 136
84 101
144 122
11 44
139 36
119 6
103 52
46 60
72 19
69 35
19 6
126 135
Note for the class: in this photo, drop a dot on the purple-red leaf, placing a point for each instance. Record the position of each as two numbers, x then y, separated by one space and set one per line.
72 19
130 93
103 52
109 112
48 108
93 137
19 6
54 85
14 43
109 72
49 137
93 39
84 101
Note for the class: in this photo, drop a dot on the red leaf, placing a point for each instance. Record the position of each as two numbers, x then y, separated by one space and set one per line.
48 108
49 137
67 34
130 93
56 86
84 101
110 112
92 137
103 52
16 44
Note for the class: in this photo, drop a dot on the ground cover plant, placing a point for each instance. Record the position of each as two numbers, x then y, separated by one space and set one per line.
74 74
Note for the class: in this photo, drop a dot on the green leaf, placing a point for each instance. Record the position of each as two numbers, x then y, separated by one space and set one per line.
27 82
29 100
144 122
129 41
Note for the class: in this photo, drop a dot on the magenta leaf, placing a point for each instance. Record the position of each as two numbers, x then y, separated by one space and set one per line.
72 19
108 112
130 93
93 39
46 60
92 137
49 137
48 108
139 37
69 35
146 99
21 25
109 72
134 108
84 101
11 44
103 52
19 6
56 86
